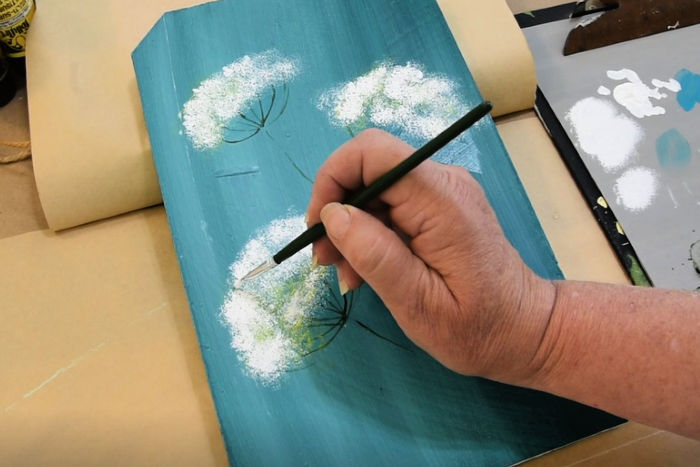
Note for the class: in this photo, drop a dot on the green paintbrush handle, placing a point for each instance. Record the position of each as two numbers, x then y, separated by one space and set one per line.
385 181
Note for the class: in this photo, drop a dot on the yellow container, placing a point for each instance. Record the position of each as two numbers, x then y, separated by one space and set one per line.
15 16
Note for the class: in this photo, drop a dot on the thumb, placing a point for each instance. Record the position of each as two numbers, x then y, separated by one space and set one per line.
374 251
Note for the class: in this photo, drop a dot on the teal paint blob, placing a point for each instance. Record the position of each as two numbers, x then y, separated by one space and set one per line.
673 150
689 95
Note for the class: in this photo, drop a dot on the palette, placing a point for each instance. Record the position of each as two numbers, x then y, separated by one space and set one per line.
631 111
240 119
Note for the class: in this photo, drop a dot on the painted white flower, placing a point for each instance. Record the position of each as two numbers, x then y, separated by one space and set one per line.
227 93
269 316
402 99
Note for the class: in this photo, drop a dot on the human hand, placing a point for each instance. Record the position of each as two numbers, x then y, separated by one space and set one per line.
432 249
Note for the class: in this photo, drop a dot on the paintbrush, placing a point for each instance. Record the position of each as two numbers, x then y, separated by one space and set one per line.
372 190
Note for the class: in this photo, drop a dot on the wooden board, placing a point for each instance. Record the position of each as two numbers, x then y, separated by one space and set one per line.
361 400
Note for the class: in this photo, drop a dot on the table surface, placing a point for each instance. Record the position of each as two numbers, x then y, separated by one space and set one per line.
580 247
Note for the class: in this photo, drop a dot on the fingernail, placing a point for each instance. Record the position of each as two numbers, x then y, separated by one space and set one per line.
306 219
336 219
314 261
343 286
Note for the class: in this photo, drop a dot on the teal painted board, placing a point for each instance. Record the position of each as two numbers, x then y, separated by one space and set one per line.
243 101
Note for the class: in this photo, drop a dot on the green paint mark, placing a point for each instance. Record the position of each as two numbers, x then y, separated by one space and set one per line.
637 274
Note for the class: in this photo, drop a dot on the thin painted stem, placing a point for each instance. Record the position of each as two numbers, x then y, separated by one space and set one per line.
367 328
242 139
289 158
272 104
285 89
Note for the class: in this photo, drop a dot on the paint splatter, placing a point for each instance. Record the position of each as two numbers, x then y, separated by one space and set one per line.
695 255
226 95
603 91
404 100
603 132
636 96
270 317
690 92
673 150
636 188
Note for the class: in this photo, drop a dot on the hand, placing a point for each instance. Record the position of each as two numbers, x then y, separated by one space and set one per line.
432 249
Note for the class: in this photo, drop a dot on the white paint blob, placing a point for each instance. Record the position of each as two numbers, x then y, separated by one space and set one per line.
603 132
403 99
225 94
636 96
269 316
603 91
636 188
672 85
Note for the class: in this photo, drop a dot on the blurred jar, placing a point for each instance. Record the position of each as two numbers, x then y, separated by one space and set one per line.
15 16
7 83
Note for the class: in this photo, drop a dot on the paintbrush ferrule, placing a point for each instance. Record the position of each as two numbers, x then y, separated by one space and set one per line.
266 266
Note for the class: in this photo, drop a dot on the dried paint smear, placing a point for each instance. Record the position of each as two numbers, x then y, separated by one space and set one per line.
636 188
603 132
673 150
271 317
404 100
226 94
636 96
689 96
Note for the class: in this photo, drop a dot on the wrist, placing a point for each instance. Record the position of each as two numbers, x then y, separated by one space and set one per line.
529 328
536 372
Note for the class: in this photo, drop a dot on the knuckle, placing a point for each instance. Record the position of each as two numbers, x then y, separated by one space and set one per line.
459 184
376 254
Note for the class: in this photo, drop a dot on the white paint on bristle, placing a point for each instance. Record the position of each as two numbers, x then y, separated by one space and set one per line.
398 97
636 96
225 94
268 315
636 188
603 132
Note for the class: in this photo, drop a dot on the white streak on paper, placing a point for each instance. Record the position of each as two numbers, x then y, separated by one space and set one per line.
63 370
673 198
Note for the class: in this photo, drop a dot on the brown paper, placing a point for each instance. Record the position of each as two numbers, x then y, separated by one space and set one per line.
91 153
99 361
495 51
565 217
